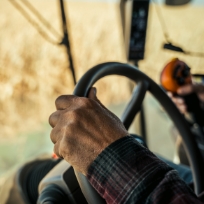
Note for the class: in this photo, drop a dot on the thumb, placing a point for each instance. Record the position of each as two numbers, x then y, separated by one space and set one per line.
92 94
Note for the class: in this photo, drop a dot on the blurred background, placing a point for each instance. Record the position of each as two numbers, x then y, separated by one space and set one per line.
35 70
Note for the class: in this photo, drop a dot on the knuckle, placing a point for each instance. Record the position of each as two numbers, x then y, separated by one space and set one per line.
60 99
64 149
73 116
50 120
64 101
53 119
174 100
85 102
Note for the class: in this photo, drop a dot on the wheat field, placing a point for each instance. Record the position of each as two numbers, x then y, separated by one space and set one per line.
34 72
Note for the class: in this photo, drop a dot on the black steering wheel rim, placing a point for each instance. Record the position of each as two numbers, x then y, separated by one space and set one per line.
133 73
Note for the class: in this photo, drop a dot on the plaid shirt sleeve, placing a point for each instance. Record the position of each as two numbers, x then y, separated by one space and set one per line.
126 173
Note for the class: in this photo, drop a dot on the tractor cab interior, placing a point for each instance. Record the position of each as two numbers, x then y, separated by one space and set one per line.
55 180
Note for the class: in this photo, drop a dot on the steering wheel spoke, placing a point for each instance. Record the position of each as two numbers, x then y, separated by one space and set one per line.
135 103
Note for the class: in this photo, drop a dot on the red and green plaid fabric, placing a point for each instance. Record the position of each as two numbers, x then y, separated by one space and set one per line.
127 173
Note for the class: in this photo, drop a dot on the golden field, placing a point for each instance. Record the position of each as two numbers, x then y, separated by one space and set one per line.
33 72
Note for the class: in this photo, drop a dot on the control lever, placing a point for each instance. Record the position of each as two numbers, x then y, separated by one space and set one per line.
176 74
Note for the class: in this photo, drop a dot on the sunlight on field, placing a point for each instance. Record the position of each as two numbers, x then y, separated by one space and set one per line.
33 72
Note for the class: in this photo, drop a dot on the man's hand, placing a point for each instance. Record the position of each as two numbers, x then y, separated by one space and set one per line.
185 90
82 128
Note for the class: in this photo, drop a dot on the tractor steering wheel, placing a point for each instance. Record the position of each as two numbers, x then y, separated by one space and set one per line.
144 84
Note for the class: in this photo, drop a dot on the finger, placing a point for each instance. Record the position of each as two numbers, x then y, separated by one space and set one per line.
65 101
178 100
92 95
182 108
57 134
53 136
185 90
53 119
170 94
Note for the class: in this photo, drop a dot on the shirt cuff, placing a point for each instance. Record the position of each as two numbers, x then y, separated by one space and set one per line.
124 166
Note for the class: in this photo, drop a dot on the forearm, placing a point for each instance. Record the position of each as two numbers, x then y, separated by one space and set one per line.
126 172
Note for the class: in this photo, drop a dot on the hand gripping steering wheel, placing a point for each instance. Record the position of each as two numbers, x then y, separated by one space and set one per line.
144 84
